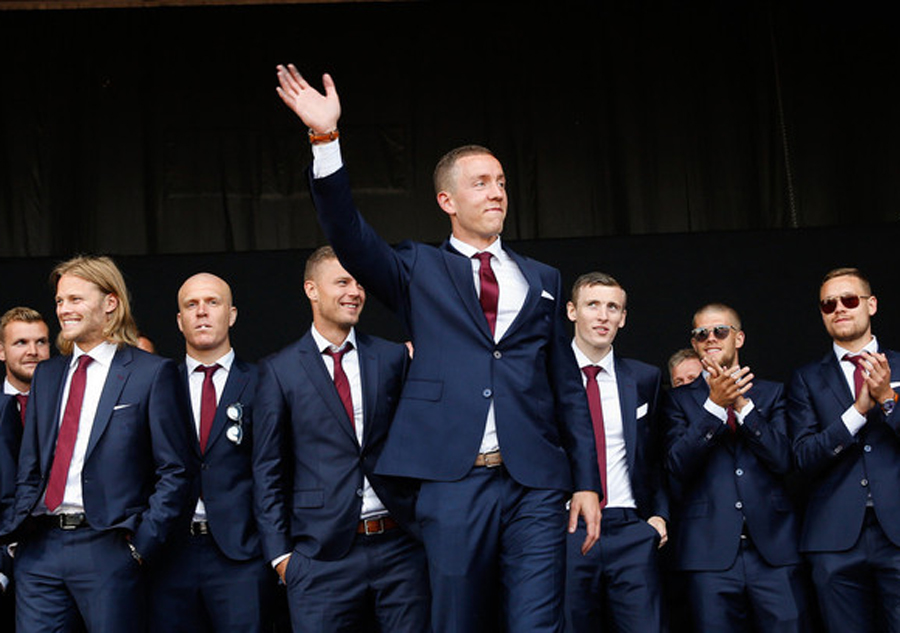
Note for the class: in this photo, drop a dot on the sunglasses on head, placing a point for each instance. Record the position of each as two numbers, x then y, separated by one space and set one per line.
827 306
721 332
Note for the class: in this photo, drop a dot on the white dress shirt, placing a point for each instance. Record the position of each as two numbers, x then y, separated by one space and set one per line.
618 483
195 388
95 379
372 506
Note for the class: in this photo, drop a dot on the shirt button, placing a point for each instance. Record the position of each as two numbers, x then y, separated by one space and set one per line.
739 472
498 354
487 393
738 505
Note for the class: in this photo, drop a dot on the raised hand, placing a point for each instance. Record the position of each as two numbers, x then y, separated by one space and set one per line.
319 112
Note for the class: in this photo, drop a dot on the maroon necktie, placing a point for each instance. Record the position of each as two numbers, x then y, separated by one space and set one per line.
731 419
340 381
208 403
23 402
490 291
68 431
858 376
593 395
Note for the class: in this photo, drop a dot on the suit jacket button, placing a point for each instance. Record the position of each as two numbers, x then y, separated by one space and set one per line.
487 393
838 449
864 483
359 492
498 354
738 505
739 472
867 448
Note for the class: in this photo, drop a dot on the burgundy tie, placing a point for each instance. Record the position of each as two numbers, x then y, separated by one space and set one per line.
340 381
23 402
208 403
731 419
858 376
490 291
68 432
593 395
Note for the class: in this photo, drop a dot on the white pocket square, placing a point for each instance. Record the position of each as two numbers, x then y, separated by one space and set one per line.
642 410
122 406
547 295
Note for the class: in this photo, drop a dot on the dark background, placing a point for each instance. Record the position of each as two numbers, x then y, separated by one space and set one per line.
697 151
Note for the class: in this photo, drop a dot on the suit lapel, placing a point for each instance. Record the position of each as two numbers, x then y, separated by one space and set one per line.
368 367
48 427
459 269
628 406
531 298
231 393
833 377
116 378
312 363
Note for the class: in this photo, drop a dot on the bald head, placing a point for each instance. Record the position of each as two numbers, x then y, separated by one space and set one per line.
205 316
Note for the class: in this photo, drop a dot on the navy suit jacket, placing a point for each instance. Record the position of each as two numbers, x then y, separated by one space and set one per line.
542 418
842 469
308 465
10 439
226 469
638 385
721 479
138 464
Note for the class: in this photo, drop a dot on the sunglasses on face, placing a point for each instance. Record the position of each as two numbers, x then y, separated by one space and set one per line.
827 306
721 332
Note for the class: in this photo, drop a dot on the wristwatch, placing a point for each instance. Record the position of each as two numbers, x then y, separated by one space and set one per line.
888 405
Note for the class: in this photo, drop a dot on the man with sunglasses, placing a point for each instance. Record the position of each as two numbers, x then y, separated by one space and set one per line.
845 440
734 530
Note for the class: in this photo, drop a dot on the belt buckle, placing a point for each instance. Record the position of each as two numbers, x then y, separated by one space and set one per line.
378 522
71 521
492 460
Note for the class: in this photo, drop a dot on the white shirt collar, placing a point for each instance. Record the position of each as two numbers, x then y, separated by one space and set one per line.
225 362
495 248
323 343
607 362
102 353
871 347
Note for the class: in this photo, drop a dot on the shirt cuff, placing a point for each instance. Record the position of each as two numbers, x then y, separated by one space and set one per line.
716 410
741 415
853 420
326 159
277 561
4 582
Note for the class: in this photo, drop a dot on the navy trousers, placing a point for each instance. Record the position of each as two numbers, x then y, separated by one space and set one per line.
196 588
496 553
615 586
380 585
67 580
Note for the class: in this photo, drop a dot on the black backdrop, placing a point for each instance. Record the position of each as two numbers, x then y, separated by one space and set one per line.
696 150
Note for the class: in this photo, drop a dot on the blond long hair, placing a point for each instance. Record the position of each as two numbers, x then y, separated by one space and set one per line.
102 271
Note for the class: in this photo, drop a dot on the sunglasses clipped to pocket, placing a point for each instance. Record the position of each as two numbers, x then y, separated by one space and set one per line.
827 306
721 332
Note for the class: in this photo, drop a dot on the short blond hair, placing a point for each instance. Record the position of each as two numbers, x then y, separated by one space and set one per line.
21 314
102 271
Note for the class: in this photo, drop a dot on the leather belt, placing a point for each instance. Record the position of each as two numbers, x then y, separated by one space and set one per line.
199 528
489 460
380 525
64 521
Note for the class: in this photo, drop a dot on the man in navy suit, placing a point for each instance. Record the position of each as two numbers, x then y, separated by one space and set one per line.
212 576
493 420
616 586
734 529
335 531
105 465
845 440
24 342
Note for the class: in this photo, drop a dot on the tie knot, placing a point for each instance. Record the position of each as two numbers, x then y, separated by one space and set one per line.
591 371
337 355
208 370
856 359
484 257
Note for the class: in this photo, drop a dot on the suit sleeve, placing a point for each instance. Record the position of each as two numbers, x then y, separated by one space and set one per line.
382 270
174 459
690 437
660 497
270 479
576 429
765 432
815 447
